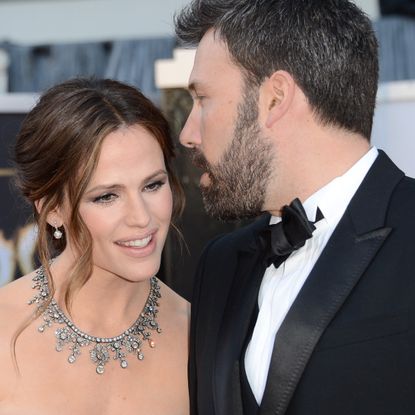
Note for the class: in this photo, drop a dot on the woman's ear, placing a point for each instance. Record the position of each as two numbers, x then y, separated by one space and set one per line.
54 217
280 89
39 205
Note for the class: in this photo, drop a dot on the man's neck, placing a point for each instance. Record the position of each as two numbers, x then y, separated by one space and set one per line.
311 163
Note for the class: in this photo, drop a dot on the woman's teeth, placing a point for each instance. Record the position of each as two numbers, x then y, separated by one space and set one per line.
138 243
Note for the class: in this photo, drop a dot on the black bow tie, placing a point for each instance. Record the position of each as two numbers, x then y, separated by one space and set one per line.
283 238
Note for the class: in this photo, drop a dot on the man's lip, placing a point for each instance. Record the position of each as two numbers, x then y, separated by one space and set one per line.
205 179
199 161
201 166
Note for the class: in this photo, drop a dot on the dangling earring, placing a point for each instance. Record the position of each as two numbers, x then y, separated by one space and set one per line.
57 234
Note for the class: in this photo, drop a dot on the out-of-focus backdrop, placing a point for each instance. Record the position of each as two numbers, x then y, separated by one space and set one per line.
43 42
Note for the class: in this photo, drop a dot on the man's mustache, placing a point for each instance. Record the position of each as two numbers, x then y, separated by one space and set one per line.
199 160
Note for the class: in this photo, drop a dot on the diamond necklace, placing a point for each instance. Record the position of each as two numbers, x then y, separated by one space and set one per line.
103 348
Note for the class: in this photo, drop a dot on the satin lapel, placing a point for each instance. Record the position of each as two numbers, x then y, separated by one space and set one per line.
322 295
237 319
353 245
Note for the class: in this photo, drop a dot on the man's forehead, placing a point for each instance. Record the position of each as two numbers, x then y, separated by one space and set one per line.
211 54
212 38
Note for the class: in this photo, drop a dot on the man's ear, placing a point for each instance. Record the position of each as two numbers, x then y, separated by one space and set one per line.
54 217
279 93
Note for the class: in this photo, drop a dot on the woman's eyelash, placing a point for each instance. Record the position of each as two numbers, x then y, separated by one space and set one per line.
110 197
152 187
105 198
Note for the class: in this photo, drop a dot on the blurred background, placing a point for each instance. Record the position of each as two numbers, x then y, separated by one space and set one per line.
46 42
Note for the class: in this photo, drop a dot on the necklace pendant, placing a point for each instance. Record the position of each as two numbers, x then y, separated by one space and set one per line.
71 359
100 369
100 355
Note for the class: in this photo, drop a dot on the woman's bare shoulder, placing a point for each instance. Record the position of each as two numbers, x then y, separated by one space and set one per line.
174 301
14 299
174 312
14 313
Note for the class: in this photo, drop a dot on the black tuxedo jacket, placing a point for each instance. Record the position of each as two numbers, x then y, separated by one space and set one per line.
347 345
397 7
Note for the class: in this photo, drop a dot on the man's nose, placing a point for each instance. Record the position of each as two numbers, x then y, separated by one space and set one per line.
190 135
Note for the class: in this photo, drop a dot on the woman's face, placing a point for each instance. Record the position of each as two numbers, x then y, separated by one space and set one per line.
127 205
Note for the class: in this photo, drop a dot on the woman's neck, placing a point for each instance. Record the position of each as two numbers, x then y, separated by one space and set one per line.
106 305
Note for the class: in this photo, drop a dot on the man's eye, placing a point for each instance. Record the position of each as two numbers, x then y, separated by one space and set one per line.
105 198
197 97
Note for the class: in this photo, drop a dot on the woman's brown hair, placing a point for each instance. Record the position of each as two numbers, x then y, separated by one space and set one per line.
57 150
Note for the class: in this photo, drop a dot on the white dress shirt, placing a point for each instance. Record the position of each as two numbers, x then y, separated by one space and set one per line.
280 286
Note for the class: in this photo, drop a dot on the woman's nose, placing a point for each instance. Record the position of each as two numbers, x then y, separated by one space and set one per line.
137 212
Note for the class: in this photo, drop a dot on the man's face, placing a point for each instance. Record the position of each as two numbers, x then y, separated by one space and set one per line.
225 136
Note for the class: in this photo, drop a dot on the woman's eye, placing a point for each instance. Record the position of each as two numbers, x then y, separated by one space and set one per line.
106 198
152 187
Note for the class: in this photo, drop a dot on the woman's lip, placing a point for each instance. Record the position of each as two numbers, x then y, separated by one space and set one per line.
136 238
139 252
136 243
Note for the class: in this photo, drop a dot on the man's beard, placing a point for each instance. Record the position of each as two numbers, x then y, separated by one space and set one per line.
238 182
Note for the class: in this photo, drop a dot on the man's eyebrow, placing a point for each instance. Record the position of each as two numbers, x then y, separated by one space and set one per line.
194 85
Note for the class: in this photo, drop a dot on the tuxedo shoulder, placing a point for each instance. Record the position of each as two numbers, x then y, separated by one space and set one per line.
240 238
407 185
221 260
403 198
